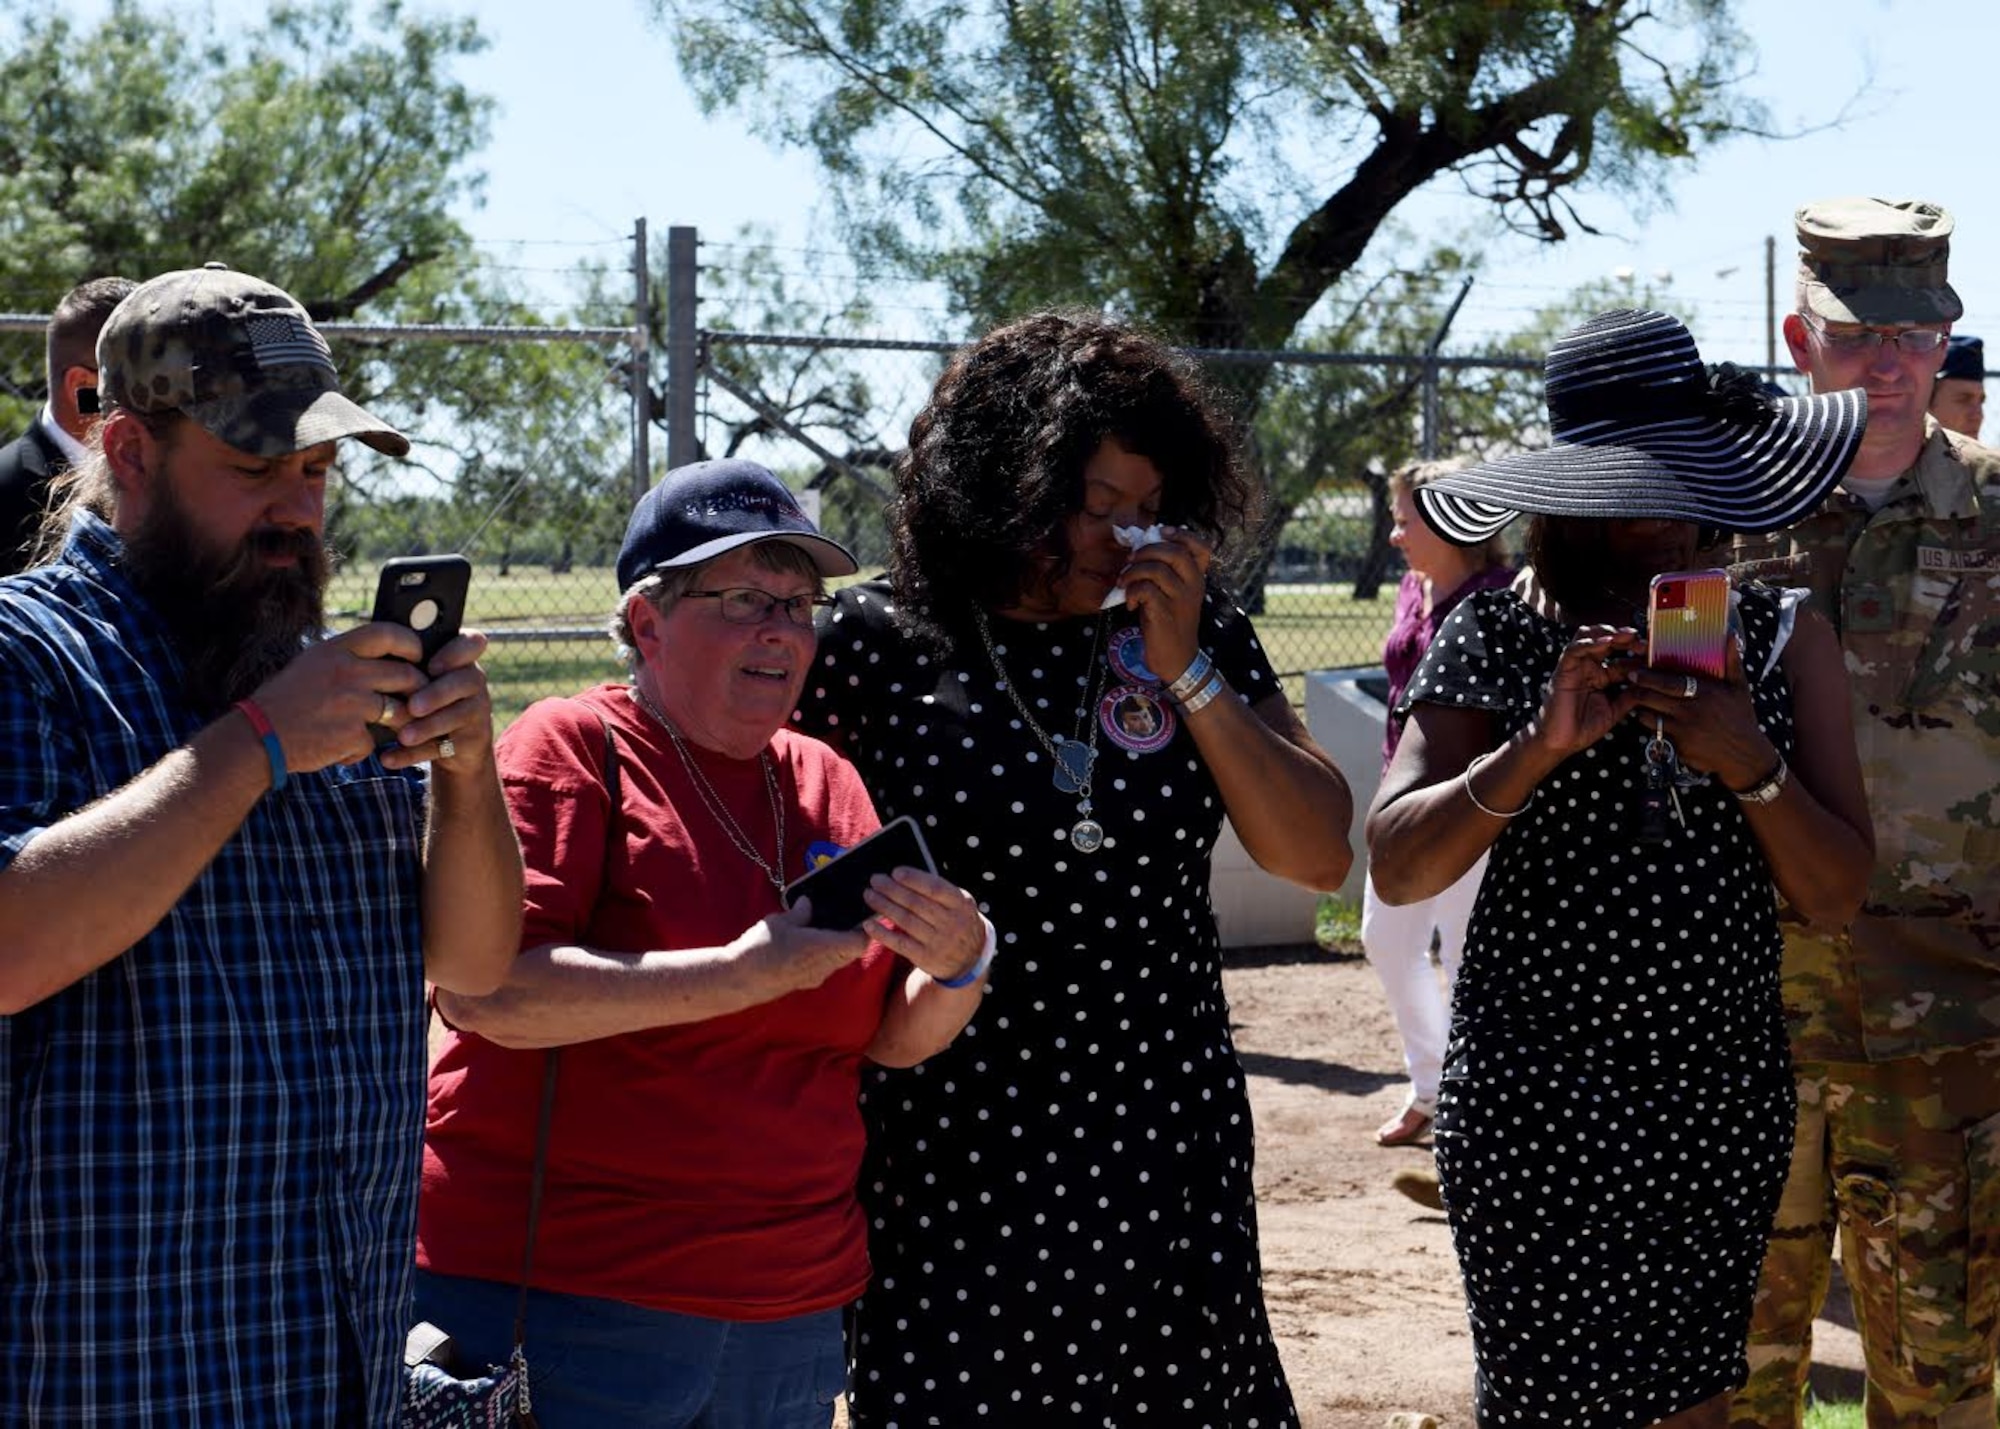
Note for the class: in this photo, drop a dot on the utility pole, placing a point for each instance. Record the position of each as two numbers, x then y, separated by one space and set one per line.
682 338
641 361
1771 306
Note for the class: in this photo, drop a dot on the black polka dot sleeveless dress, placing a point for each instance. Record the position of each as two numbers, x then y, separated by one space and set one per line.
1060 1210
1616 1114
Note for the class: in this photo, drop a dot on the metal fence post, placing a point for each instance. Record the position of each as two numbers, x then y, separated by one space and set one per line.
1432 415
641 385
681 355
1428 444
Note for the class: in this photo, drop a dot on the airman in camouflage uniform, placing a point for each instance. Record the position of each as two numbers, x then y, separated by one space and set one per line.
1895 1023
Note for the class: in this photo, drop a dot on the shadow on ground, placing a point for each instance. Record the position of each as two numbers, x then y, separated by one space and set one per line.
1316 1072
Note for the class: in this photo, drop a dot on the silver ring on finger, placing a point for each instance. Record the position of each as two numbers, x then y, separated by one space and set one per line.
446 749
388 709
1691 689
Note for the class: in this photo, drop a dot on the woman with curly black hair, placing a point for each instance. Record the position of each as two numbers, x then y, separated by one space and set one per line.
1060 1207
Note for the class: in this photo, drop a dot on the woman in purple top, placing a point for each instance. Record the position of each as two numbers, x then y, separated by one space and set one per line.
1398 940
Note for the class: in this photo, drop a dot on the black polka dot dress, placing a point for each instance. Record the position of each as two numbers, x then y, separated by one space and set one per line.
1616 1115
1060 1209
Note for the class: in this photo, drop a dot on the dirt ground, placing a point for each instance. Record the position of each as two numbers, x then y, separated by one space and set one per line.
1360 1282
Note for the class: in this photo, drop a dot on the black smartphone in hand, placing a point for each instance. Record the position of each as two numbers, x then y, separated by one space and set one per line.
835 887
425 593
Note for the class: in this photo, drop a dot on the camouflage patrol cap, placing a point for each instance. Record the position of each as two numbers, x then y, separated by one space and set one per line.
239 357
1876 261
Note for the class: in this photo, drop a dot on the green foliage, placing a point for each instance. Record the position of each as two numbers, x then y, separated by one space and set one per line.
305 151
1337 924
321 157
1215 169
1833 1416
1212 167
325 153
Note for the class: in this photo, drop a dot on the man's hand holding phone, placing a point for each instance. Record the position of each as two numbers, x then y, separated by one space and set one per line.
447 719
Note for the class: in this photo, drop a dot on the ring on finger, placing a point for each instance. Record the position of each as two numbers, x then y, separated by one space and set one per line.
446 749
1690 689
388 709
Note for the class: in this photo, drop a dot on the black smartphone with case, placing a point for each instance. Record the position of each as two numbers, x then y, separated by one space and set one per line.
425 593
835 887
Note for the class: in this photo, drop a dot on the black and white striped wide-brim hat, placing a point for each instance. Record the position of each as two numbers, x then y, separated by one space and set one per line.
1637 432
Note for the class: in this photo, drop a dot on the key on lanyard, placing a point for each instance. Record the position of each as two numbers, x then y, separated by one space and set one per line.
1660 799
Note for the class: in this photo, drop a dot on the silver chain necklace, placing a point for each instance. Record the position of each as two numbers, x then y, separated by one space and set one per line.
713 800
1075 758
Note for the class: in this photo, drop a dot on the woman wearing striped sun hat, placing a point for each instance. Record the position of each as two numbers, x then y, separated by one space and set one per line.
1616 1110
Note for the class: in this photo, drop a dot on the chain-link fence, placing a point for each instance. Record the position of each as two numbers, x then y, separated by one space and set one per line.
1321 579
526 442
533 434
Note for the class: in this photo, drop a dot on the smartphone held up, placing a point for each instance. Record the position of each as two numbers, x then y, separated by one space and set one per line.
835 887
425 593
1687 623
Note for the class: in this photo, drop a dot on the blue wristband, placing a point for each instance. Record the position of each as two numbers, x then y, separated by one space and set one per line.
978 970
273 751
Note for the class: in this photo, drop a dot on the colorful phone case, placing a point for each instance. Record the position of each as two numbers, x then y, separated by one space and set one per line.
1688 622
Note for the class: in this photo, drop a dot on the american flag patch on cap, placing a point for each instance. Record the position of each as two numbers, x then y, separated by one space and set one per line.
285 340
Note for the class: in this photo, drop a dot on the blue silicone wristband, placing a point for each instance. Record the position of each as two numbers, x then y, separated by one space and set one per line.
978 970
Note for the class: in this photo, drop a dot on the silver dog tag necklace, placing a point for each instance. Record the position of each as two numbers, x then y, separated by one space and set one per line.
1076 757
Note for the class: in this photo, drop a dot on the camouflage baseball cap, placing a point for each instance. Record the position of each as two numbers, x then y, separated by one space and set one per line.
237 355
1877 261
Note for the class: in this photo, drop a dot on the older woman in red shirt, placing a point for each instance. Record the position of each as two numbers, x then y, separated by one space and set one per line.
699 1231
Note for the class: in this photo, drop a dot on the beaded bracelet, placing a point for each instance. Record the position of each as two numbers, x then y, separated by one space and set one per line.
273 751
978 970
1466 779
1194 703
1189 680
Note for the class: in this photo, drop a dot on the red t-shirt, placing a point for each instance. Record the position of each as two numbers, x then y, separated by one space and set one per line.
706 1168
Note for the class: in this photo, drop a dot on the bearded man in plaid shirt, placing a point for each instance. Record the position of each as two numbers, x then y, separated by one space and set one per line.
219 903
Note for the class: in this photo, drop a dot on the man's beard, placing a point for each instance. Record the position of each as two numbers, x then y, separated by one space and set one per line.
234 619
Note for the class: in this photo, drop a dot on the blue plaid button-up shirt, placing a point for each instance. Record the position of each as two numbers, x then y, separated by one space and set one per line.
209 1147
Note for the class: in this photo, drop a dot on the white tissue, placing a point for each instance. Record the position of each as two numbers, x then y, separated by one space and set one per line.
1132 538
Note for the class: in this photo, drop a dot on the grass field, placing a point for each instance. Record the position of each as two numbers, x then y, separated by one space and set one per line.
1303 628
1833 1416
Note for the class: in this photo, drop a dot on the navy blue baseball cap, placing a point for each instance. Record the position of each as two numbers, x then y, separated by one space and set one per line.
1964 357
708 508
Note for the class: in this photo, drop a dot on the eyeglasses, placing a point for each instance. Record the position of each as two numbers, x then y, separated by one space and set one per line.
1911 341
746 605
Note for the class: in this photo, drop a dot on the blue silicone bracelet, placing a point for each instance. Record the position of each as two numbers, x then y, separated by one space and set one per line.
978 970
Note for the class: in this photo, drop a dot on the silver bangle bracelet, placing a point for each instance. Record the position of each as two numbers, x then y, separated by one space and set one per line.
1194 703
1466 780
1183 689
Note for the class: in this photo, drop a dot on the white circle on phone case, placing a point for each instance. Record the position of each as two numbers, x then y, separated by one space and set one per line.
424 614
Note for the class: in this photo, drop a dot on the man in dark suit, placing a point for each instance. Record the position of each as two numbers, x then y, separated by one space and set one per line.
54 440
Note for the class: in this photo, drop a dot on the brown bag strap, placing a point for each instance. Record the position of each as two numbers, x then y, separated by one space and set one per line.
551 1060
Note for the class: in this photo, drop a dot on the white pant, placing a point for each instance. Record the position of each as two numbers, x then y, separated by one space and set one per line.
1398 943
